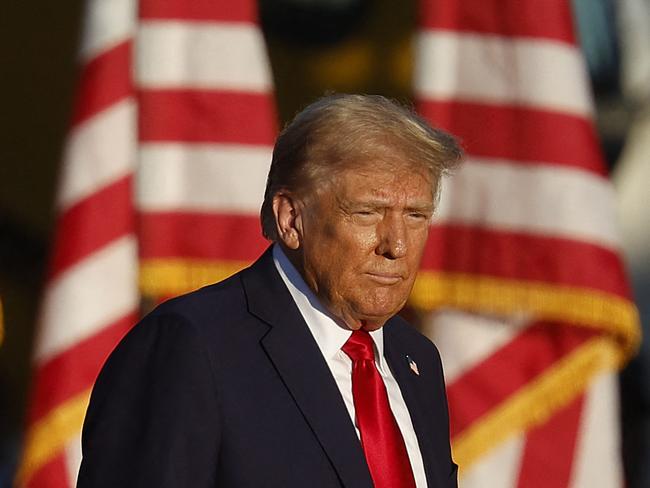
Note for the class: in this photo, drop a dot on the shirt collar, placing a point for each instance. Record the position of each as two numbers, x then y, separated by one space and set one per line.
329 332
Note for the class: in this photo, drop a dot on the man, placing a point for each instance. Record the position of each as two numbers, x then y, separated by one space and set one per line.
296 372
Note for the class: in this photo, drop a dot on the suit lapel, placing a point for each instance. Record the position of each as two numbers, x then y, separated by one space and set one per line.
299 362
395 354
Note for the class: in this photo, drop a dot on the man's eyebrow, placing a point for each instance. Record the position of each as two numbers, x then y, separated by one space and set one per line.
424 207
364 202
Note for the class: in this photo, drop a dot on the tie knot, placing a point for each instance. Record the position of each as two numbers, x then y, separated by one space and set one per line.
359 346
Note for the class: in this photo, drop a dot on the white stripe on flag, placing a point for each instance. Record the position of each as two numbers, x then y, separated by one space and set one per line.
465 339
108 22
227 56
498 468
539 199
99 152
493 69
597 460
204 177
87 297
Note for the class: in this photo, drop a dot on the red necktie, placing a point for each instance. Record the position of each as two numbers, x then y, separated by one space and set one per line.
381 438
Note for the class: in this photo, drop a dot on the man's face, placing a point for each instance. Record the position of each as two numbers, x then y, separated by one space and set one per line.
361 240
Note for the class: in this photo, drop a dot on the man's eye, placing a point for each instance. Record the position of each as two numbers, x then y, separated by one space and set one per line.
418 217
365 216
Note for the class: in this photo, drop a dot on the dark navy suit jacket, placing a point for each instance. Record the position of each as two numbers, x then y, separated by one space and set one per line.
226 387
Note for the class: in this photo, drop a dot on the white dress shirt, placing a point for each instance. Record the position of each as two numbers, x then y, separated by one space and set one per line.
330 335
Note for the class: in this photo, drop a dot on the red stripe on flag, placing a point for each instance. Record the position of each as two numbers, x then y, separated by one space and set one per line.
483 251
201 236
200 10
93 223
513 366
207 116
75 369
551 19
104 80
519 134
53 474
550 449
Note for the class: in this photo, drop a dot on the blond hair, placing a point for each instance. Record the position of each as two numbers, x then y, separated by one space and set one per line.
342 131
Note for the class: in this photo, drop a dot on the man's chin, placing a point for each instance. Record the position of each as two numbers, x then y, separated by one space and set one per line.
364 323
372 322
367 318
375 317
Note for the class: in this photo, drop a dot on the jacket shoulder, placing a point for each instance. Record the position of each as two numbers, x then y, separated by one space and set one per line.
214 296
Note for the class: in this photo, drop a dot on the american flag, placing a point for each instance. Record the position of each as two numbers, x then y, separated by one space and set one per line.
206 130
91 296
165 164
532 310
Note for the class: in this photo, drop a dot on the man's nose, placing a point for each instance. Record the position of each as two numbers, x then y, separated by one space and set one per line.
392 235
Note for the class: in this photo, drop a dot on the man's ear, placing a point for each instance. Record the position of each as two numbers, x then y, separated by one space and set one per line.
288 220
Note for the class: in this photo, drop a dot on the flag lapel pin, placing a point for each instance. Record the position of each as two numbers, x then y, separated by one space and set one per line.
413 365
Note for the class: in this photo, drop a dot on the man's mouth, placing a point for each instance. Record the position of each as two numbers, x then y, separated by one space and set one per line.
385 278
